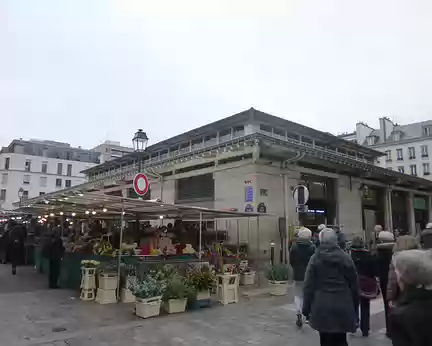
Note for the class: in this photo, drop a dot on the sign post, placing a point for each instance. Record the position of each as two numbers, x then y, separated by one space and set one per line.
141 184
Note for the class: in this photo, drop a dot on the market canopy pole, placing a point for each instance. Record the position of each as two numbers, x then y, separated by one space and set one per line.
120 252
200 238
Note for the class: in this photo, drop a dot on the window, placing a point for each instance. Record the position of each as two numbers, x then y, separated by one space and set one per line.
28 165
58 182
413 169
426 169
401 169
69 170
424 151
3 195
411 153
399 154
43 181
44 167
388 154
41 193
7 163
4 178
25 194
427 131
371 140
26 179
396 136
59 168
68 183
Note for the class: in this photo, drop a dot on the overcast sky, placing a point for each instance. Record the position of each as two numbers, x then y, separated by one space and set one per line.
83 71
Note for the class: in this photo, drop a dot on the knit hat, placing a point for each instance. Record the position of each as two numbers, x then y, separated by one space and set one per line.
321 227
386 236
378 228
304 233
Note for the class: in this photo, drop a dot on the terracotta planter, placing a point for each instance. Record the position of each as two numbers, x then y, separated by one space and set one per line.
278 288
146 308
173 306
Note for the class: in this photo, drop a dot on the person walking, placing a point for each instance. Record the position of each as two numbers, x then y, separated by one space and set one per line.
300 254
341 238
54 251
384 251
366 266
410 318
405 242
16 239
331 292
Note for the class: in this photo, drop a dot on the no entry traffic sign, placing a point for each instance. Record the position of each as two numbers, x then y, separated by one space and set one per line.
141 184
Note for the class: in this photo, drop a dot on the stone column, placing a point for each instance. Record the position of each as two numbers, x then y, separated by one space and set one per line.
388 213
410 213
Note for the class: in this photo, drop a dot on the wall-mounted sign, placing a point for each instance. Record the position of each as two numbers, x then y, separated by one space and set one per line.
261 208
248 182
249 194
300 195
249 208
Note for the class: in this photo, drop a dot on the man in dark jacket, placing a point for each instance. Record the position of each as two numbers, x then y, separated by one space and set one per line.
331 293
54 252
410 318
300 254
16 250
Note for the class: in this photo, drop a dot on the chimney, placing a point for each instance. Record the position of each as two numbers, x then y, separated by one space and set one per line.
386 128
362 131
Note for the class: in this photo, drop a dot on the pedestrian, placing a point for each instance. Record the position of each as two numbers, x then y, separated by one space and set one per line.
384 251
410 319
341 238
3 245
315 238
300 254
54 251
374 241
426 237
405 242
16 239
331 293
366 266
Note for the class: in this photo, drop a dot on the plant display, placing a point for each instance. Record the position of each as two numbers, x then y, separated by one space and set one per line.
129 269
165 272
200 279
150 287
90 263
176 288
108 267
277 272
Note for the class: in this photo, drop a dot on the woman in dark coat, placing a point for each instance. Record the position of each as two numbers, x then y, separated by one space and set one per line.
366 266
411 317
331 293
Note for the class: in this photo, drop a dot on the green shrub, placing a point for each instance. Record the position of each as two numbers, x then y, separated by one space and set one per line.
277 272
176 288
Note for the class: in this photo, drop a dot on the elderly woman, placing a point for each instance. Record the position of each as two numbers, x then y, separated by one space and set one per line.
410 319
331 293
300 254
405 242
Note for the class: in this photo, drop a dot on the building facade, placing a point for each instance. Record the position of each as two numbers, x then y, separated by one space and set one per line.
111 150
253 161
406 147
40 167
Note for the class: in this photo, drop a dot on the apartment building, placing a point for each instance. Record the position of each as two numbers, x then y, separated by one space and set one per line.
111 150
406 147
39 167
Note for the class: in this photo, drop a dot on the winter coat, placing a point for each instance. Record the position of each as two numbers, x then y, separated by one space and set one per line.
410 319
54 249
393 291
384 255
331 292
364 262
341 239
300 254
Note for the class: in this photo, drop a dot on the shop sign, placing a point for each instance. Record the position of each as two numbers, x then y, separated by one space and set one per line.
249 194
262 208
249 208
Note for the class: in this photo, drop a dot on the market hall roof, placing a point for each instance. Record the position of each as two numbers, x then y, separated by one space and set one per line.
249 116
80 203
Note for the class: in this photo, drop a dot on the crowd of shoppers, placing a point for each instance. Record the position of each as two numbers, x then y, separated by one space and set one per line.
334 286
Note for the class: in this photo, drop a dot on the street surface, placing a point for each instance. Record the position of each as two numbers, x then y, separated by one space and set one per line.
33 315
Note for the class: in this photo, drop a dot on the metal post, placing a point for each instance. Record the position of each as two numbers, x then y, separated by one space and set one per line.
238 238
200 238
287 226
120 254
258 249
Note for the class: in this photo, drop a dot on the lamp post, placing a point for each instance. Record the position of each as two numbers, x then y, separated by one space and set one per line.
20 195
140 140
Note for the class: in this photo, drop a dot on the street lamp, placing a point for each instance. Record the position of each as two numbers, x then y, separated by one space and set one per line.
20 195
140 140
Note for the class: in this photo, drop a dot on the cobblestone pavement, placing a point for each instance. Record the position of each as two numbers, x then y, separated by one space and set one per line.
34 316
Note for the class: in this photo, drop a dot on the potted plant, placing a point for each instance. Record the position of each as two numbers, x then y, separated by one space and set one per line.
128 277
89 267
108 276
247 276
201 281
175 295
278 275
148 294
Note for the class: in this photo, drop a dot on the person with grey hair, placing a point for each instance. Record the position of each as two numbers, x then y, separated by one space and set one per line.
300 254
331 292
411 316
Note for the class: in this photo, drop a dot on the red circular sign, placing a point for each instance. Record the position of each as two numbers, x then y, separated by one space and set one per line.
141 184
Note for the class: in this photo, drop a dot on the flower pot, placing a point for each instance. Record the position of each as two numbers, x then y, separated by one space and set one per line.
127 296
278 288
88 271
106 296
146 308
202 295
247 278
107 281
88 281
173 306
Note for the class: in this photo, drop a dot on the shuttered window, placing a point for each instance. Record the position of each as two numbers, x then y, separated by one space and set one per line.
200 186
